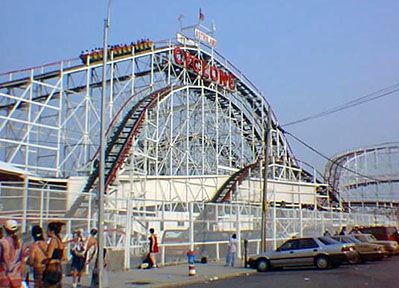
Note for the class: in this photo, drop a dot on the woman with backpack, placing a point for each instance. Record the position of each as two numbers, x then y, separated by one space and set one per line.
37 255
11 257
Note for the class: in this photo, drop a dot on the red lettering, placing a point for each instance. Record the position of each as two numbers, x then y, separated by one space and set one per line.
204 71
201 67
214 71
223 78
232 82
196 64
187 59
178 55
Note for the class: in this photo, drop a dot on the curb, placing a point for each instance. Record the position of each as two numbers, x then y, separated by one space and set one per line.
203 279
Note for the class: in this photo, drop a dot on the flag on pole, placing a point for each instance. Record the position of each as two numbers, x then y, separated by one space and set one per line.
181 16
201 15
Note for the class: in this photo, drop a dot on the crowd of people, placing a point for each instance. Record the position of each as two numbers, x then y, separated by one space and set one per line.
44 256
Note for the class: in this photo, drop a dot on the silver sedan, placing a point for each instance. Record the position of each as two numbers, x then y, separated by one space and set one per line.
322 252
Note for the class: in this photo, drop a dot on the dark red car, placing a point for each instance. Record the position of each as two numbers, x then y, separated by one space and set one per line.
381 232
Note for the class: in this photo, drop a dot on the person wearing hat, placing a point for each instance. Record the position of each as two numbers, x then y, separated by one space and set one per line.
11 255
37 255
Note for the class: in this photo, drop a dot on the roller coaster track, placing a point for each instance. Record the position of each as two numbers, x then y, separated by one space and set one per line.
341 162
229 187
121 140
227 190
118 146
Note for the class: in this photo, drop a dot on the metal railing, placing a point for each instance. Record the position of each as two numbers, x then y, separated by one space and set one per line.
203 227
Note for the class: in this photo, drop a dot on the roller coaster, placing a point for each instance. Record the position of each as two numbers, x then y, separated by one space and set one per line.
184 124
366 177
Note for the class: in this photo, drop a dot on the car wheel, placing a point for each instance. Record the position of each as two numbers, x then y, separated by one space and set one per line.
356 259
262 265
380 257
322 262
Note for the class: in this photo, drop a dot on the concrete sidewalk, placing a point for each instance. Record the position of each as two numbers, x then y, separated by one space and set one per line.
168 276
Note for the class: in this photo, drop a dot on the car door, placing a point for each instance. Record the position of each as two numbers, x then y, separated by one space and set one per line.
307 250
285 255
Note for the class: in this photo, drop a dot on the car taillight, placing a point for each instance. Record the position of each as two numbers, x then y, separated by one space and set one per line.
346 249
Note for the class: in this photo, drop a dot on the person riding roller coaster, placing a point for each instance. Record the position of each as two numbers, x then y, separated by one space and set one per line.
116 51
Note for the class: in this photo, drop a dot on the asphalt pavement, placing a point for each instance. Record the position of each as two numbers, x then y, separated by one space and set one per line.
384 274
169 276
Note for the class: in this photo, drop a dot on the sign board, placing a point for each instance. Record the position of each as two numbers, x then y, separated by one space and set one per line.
202 36
184 40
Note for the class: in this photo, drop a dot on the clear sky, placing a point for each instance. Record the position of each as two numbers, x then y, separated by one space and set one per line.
305 56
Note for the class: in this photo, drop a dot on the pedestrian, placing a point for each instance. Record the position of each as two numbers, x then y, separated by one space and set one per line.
78 258
11 257
153 249
231 250
327 233
91 249
52 275
343 231
37 255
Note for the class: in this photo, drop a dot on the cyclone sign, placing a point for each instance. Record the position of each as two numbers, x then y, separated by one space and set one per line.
203 68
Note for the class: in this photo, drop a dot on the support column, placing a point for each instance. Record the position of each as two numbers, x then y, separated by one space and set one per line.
238 230
128 233
25 204
274 219
191 224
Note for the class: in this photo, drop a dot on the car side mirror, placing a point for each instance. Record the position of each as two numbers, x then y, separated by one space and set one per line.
278 249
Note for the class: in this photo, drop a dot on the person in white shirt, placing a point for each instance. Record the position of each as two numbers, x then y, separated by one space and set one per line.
231 250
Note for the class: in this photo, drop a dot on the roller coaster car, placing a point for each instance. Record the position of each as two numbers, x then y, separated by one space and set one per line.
116 51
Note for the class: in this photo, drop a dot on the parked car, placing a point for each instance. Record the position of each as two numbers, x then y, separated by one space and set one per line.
322 252
381 232
367 251
391 247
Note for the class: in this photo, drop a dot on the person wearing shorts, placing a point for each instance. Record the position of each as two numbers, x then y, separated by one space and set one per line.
153 249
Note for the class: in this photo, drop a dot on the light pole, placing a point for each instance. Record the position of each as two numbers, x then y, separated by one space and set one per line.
266 144
101 191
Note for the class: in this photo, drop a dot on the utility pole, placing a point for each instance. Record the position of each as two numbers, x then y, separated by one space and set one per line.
101 190
266 144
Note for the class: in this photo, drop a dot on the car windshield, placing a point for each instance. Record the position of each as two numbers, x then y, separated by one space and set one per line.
353 240
371 237
340 239
344 239
328 240
366 238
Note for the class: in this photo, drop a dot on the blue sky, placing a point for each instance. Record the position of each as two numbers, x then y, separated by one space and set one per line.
305 56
